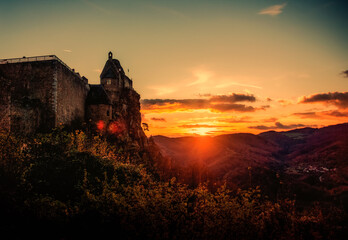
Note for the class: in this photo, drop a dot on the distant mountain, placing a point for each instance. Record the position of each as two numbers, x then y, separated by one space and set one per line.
315 160
240 160
309 162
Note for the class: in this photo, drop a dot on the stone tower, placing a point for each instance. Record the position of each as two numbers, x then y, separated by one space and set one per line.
114 105
113 79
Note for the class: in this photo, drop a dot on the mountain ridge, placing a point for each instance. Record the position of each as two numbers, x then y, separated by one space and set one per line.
309 162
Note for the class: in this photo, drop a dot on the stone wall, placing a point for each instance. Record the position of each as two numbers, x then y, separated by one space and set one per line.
38 95
99 112
112 88
72 92
29 95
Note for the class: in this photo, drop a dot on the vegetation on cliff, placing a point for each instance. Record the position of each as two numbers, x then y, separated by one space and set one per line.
72 184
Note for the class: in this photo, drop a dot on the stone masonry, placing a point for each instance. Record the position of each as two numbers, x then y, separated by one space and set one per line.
36 94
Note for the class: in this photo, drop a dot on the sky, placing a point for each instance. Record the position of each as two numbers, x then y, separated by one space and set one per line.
201 67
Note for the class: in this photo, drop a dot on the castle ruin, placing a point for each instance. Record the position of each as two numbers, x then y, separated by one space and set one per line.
40 93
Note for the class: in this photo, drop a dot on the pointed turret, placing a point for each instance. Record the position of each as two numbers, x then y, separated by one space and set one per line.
113 78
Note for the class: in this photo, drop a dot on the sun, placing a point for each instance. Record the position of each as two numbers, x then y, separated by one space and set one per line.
202 131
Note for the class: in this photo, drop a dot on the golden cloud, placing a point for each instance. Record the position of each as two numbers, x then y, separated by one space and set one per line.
158 119
339 99
273 10
322 114
216 103
277 125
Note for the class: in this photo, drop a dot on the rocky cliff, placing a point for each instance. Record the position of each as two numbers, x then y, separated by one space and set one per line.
126 133
127 117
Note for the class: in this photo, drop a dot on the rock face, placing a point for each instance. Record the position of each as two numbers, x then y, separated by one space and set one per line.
126 118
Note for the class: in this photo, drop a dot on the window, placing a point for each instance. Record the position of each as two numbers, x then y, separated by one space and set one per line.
107 113
108 82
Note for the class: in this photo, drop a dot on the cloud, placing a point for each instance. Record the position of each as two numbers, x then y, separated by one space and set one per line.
219 132
336 113
323 114
199 126
224 85
231 107
284 102
158 119
202 77
282 126
277 125
178 103
67 50
204 95
264 107
339 99
273 119
236 120
345 73
216 103
306 114
163 90
273 10
233 98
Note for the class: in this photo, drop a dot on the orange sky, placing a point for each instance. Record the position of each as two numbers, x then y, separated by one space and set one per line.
186 117
201 67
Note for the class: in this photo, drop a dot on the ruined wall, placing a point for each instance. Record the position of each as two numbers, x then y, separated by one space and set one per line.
72 92
38 95
29 95
99 112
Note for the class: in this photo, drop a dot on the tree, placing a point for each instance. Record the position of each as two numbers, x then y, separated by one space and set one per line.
145 126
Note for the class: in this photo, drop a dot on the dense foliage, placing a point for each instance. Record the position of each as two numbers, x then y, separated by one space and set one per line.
69 185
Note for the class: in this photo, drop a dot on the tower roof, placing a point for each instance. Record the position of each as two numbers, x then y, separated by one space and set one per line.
112 68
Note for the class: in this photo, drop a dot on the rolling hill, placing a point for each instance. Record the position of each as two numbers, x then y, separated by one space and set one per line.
308 162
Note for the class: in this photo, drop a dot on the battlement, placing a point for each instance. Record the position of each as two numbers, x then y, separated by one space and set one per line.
42 58
31 59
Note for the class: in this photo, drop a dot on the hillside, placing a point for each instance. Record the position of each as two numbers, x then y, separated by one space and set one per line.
240 160
315 160
311 163
73 185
